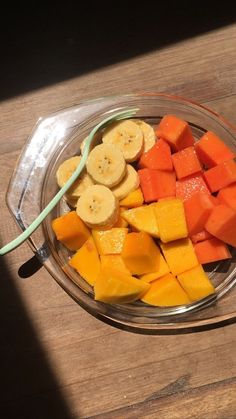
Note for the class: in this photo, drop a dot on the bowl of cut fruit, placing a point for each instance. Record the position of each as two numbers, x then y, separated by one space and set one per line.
145 238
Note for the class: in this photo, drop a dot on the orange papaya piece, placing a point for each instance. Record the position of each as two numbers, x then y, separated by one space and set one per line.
222 224
187 187
176 132
186 162
227 196
211 250
197 210
220 176
211 150
158 157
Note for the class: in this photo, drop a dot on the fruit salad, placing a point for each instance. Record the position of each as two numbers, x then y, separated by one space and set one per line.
151 208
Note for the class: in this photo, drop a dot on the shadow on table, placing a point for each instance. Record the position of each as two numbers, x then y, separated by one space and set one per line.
41 46
29 388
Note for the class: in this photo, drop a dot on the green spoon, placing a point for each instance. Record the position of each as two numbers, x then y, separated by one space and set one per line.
128 113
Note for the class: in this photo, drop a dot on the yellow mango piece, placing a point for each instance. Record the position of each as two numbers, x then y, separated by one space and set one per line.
163 269
70 230
180 255
196 283
121 222
133 199
171 220
115 262
142 219
115 287
165 291
86 261
140 253
110 241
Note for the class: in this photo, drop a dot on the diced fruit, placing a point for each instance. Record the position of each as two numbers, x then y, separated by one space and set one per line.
176 131
106 165
126 135
115 287
186 162
196 283
211 250
142 219
114 262
86 261
110 242
134 199
148 181
158 157
70 230
121 221
197 210
201 236
179 255
98 207
156 184
222 224
220 176
227 196
163 269
165 291
187 187
211 150
171 220
140 253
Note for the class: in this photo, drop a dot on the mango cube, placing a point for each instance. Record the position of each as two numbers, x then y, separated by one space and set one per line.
86 261
171 220
165 291
115 287
114 262
140 253
180 255
163 269
142 219
70 230
196 283
110 241
133 199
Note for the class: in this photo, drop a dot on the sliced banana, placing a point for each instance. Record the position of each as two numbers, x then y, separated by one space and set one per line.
149 135
127 136
98 207
128 184
64 172
106 164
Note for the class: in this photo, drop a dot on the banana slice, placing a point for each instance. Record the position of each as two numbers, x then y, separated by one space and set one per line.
149 135
98 207
106 164
127 136
128 184
64 172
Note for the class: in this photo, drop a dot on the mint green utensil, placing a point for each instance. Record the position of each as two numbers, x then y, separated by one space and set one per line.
128 113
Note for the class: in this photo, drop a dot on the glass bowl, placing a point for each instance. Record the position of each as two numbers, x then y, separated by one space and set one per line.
33 185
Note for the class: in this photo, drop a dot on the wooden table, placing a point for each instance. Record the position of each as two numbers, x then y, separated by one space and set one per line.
56 361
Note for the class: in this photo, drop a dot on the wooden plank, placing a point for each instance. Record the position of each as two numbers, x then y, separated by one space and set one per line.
215 401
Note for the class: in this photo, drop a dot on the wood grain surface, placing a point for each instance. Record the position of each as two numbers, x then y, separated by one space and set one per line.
56 361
